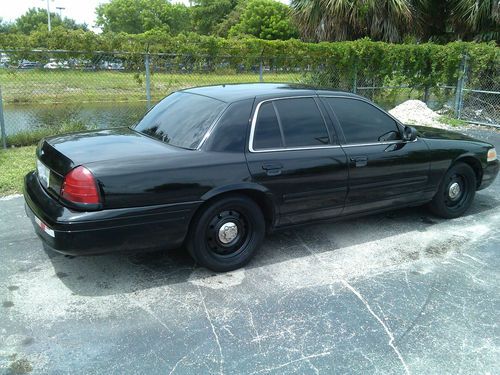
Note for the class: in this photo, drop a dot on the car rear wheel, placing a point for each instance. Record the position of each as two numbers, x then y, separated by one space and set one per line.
456 192
225 235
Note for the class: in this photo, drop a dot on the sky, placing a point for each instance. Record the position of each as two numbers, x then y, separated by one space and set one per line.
80 10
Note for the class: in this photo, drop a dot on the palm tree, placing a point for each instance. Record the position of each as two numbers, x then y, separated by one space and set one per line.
387 20
475 19
392 20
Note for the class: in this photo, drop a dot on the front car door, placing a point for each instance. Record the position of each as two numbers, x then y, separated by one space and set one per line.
293 151
384 170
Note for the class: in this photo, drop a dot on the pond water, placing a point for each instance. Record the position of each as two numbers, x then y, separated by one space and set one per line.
22 117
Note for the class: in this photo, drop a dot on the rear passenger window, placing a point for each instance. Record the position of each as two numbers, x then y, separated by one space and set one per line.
267 131
302 122
361 122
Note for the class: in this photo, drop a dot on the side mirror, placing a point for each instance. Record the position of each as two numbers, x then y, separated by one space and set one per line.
409 134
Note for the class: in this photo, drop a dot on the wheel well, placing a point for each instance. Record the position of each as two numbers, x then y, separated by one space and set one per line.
475 165
260 198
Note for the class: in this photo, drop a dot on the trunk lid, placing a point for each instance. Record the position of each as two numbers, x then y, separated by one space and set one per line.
56 156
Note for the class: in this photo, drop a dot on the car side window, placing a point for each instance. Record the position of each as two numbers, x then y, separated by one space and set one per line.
302 122
361 122
267 130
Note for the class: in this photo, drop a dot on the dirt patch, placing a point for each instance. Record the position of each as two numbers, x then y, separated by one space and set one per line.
440 248
20 366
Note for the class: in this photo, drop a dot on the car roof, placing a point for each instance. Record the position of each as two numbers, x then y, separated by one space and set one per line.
235 92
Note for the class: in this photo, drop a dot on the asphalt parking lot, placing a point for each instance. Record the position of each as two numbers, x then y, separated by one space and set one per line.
394 293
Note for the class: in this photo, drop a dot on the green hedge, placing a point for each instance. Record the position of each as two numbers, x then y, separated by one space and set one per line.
424 64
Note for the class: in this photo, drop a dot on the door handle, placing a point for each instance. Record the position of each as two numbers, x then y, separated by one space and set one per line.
269 166
360 161
272 169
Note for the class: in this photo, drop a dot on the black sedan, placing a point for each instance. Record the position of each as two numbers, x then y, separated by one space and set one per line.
215 168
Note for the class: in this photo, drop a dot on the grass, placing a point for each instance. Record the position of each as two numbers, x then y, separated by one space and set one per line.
14 164
451 121
31 137
67 86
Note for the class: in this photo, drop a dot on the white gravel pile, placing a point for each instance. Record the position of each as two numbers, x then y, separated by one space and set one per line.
416 112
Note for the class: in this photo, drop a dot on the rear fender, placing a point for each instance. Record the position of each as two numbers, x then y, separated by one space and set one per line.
246 188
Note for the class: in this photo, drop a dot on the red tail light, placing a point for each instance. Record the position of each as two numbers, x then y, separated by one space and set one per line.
80 186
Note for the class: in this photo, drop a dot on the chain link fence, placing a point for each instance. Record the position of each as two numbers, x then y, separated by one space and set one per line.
45 92
481 97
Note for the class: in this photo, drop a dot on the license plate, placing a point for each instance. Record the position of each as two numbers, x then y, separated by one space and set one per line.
43 173
44 227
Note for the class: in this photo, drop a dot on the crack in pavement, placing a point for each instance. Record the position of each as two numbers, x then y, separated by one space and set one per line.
368 307
420 313
303 358
216 336
149 312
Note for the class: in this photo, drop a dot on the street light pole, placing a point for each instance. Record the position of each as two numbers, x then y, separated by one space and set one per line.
60 9
48 15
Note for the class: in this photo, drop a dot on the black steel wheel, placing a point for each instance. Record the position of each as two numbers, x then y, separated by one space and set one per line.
225 234
456 192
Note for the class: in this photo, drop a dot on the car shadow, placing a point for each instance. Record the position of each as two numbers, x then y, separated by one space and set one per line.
118 273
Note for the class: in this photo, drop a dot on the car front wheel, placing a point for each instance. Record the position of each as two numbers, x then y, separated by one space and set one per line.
456 192
225 234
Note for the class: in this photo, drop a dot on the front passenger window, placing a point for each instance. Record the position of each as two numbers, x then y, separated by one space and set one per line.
361 122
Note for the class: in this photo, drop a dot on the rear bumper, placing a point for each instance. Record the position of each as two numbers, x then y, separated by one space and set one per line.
124 229
489 174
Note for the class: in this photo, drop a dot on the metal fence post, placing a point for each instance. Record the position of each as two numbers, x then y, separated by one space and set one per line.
148 80
426 94
261 71
355 79
459 92
2 122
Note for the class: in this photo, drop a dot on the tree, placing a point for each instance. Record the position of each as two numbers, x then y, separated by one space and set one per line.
207 14
473 19
393 20
233 18
35 18
138 16
6 27
265 19
387 20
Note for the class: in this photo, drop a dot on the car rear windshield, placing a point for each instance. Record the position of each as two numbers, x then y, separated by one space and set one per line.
181 119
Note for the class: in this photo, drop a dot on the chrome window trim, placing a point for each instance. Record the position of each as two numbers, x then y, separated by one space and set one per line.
254 122
212 127
378 143
361 99
295 148
280 125
348 145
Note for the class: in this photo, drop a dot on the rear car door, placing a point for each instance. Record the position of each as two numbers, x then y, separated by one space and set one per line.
384 170
293 151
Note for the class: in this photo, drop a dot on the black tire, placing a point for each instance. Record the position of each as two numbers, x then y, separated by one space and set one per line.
450 202
214 225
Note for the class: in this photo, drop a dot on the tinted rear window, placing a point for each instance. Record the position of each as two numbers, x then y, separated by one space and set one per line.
267 130
181 119
302 122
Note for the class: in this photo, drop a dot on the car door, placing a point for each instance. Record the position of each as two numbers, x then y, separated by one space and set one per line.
384 170
293 151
